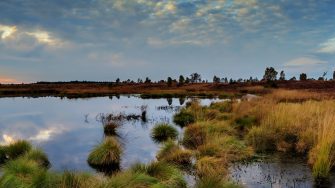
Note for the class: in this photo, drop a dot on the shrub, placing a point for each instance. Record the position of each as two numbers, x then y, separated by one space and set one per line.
183 118
163 132
106 157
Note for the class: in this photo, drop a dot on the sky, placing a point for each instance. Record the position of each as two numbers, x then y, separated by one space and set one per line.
62 40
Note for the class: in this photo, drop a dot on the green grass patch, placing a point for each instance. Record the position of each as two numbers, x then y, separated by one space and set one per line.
163 132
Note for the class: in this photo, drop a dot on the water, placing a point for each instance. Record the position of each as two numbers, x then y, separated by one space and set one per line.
277 171
67 130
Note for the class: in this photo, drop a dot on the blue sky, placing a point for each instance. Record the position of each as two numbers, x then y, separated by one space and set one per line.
55 40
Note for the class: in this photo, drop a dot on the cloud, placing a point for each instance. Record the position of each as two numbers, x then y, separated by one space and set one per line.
305 61
7 31
327 47
22 38
157 42
44 37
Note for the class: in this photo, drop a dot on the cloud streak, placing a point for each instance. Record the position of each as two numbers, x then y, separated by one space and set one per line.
99 39
328 47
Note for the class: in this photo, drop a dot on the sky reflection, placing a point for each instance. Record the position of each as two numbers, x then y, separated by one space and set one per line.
68 129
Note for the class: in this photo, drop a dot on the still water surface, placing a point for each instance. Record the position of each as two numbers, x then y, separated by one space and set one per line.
67 129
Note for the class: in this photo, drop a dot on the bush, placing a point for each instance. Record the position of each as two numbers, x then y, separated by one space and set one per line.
163 132
183 118
106 157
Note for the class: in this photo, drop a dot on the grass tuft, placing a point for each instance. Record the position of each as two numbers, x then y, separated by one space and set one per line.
183 118
171 153
106 156
38 156
163 132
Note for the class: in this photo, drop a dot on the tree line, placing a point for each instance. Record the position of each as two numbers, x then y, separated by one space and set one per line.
270 75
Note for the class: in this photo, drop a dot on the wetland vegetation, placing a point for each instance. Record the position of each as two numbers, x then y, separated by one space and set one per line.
210 141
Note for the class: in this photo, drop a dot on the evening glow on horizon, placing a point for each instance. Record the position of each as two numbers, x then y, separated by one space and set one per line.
61 40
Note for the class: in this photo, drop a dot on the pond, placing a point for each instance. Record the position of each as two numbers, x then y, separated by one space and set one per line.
68 129
276 170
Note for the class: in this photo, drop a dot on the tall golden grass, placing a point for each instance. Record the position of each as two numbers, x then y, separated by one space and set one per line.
294 121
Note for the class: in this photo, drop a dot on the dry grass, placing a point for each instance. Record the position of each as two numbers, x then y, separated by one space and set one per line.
291 121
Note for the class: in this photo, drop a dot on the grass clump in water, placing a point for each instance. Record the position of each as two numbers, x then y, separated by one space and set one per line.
163 132
106 156
25 173
110 128
78 180
211 173
168 175
130 179
14 150
171 153
38 156
194 136
183 118
213 181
